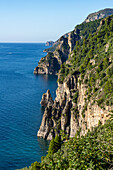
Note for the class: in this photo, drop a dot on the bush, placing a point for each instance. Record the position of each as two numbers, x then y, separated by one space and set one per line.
108 87
100 101
35 165
75 97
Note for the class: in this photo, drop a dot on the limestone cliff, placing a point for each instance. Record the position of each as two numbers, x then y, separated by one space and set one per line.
84 96
46 99
61 49
49 43
71 116
50 64
98 15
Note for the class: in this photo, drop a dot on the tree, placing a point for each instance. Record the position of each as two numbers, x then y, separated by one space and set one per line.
108 87
57 143
81 69
105 63
51 149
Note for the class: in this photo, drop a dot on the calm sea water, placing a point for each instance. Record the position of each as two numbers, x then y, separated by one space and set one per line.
20 110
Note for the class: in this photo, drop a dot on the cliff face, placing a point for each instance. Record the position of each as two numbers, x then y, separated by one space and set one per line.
60 50
98 15
50 64
49 43
47 65
70 116
84 96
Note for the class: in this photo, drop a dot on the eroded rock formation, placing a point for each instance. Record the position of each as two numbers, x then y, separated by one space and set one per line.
68 115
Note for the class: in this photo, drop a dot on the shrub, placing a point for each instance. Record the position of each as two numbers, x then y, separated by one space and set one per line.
75 97
100 101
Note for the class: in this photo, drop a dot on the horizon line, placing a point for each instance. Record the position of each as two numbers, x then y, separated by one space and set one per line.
21 42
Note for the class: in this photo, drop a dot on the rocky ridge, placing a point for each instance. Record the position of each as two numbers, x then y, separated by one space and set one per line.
58 53
98 15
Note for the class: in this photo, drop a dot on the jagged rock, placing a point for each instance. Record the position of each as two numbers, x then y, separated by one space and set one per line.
47 65
77 106
47 99
98 15
46 125
49 43
56 56
61 115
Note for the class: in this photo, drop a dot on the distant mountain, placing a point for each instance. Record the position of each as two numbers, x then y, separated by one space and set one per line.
98 15
49 43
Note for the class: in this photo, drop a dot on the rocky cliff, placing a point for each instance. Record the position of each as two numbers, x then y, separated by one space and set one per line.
49 43
84 96
69 115
98 15
50 64
61 49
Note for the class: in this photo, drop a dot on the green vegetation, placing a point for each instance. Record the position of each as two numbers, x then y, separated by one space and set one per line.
55 144
92 151
92 56
91 62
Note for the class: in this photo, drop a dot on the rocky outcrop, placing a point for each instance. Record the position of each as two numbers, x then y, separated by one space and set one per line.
47 65
98 15
46 99
69 115
49 43
50 64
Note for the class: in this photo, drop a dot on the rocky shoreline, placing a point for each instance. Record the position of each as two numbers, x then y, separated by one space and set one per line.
81 101
60 114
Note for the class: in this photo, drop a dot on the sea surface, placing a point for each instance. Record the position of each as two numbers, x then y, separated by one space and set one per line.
20 109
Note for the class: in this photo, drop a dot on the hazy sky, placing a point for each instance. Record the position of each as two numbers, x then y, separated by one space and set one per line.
42 20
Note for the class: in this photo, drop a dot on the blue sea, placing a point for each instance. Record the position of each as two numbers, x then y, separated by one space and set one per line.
20 109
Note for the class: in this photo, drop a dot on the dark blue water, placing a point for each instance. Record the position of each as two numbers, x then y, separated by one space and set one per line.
20 110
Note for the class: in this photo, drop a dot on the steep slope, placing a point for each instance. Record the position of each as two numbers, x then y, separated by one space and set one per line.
92 151
50 64
85 86
59 52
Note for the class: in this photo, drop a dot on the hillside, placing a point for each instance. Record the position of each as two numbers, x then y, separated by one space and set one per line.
78 121
64 45
91 17
92 151
62 48
85 86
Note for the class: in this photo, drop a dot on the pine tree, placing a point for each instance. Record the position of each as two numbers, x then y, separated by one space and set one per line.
57 142
51 149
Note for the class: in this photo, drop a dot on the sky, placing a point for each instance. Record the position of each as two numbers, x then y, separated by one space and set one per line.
43 20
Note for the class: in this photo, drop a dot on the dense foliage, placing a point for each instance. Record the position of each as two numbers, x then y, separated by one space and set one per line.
92 61
92 151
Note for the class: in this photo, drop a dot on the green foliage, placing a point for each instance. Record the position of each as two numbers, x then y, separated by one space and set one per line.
88 28
51 149
100 101
105 63
108 87
55 144
110 72
35 166
75 97
83 111
92 151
